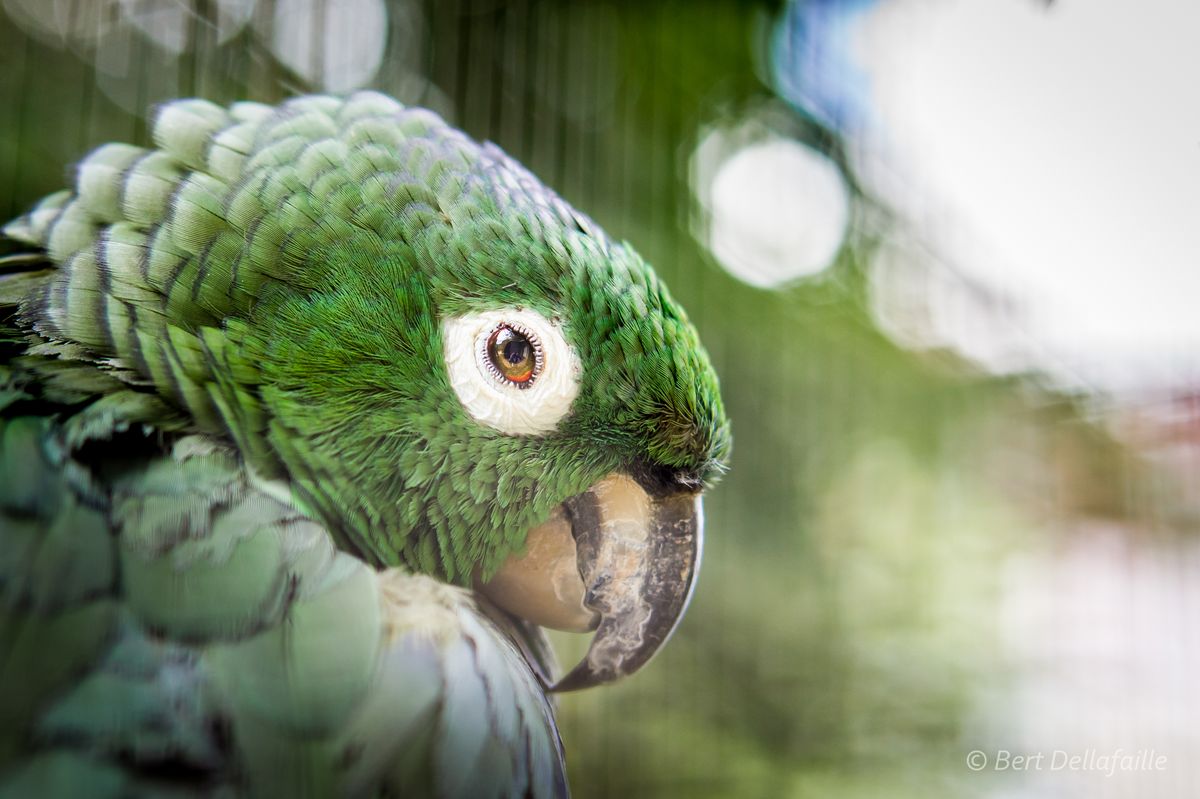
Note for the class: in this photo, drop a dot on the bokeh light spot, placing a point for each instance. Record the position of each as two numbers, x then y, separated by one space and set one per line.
777 210
335 46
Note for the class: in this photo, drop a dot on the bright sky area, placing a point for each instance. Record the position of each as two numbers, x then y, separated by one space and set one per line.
1065 142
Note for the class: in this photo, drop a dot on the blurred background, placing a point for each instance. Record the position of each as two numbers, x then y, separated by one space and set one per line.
945 255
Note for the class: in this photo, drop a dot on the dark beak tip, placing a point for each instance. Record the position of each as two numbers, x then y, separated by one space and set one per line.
577 679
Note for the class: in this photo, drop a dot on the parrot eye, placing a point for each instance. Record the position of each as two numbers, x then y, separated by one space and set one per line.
512 369
514 354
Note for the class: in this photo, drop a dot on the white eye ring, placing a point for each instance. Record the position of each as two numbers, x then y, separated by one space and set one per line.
531 408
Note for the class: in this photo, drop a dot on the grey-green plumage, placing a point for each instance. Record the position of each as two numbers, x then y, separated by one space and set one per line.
174 630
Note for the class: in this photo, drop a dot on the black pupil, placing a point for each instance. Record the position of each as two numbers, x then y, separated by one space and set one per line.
516 350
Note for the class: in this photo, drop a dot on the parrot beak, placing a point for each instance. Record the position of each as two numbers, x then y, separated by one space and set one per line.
638 557
614 559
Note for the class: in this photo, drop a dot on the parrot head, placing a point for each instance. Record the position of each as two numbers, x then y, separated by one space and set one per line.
527 409
449 365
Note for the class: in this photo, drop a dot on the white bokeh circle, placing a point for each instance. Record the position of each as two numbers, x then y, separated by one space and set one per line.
779 212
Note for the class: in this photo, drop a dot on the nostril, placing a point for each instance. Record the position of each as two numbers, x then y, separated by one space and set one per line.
660 479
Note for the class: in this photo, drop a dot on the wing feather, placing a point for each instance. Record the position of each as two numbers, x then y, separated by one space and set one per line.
173 626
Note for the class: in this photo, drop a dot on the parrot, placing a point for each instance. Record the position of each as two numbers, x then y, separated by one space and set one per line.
313 417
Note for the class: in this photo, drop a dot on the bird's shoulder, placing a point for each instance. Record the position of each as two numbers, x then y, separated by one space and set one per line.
168 619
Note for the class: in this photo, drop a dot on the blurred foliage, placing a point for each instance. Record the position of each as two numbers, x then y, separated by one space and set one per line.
843 631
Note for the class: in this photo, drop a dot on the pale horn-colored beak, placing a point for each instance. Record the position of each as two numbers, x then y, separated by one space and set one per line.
615 560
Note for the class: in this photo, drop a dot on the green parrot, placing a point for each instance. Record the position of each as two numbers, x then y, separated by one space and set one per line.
311 417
